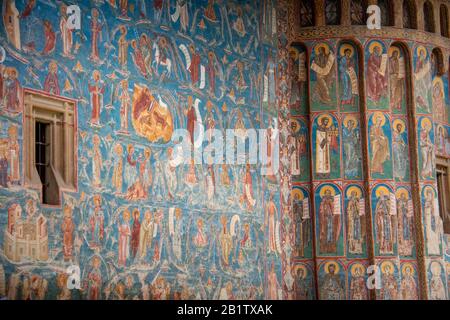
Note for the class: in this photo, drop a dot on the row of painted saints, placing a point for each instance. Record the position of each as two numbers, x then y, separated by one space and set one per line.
385 79
332 282
393 218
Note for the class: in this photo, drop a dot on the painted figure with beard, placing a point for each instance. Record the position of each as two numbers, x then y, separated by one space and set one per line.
408 286
301 284
332 287
302 226
324 81
146 235
376 79
330 223
397 79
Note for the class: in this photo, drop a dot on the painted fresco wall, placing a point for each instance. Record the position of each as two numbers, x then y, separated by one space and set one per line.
137 227
353 96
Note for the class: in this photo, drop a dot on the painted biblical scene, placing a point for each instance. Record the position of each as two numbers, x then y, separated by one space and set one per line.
348 70
332 282
380 155
323 78
377 73
442 141
299 101
422 80
302 233
326 147
384 220
329 221
355 221
352 148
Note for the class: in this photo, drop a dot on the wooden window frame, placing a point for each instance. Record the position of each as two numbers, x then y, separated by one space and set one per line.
61 114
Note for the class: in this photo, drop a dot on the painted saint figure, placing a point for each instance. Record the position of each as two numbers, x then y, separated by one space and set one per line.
96 35
347 73
396 78
326 143
356 224
380 145
385 224
358 287
67 228
51 84
405 225
376 80
352 148
330 223
124 238
97 162
135 233
427 150
12 91
66 33
96 223
400 151
332 287
97 90
146 235
302 227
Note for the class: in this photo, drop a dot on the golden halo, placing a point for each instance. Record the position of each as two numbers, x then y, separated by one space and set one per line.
394 49
408 265
426 124
325 188
438 80
345 47
325 116
355 266
399 122
298 125
354 189
427 189
300 266
336 267
298 192
436 268
421 49
400 192
378 115
383 189
126 215
322 45
348 118
376 44
387 264
294 52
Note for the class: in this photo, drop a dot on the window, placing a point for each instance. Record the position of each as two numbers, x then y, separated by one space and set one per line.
307 13
443 182
444 20
387 12
358 12
49 145
409 15
428 17
332 12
